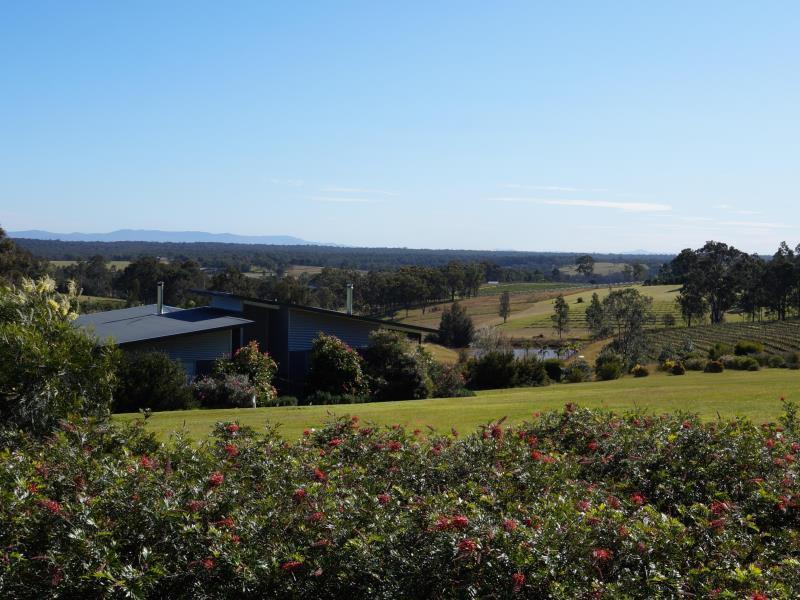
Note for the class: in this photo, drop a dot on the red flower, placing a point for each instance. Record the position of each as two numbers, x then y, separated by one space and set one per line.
613 502
33 488
226 522
291 565
384 498
758 596
146 463
459 522
602 554
299 495
51 506
316 517
195 505
306 432
593 445
510 525
442 523
436 450
231 450
208 563
235 538
638 498
719 508
321 543
395 446
334 442
518 579
497 432
770 443
365 431
795 447
232 428
717 523
467 546
216 479
319 475
583 505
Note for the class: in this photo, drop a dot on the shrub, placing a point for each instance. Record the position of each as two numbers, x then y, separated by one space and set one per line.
609 365
530 372
227 391
554 368
714 366
321 397
695 364
335 368
448 380
48 368
746 347
259 368
151 380
640 371
776 361
668 365
396 371
762 358
719 350
578 371
381 512
740 363
678 369
792 360
285 401
492 370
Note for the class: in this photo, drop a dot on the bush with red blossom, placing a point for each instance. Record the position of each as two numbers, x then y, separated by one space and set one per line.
663 506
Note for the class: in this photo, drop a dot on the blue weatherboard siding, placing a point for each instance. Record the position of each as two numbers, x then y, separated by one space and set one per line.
305 326
189 349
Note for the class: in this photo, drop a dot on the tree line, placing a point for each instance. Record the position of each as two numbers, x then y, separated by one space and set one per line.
718 278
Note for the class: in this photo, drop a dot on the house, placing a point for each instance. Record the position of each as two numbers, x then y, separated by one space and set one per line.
198 336
195 337
287 331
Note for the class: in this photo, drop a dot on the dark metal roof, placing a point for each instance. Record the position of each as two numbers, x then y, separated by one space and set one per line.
141 323
325 311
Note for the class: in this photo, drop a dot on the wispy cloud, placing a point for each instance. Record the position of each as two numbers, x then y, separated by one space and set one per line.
748 212
551 188
332 189
696 219
289 182
755 225
341 200
638 207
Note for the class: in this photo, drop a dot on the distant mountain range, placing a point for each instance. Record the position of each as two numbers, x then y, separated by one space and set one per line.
155 235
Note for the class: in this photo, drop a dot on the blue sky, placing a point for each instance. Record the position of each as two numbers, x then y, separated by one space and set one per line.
586 126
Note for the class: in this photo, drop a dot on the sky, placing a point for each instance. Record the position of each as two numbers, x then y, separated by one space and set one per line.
563 126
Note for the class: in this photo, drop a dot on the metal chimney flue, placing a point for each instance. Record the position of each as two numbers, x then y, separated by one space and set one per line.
349 298
160 299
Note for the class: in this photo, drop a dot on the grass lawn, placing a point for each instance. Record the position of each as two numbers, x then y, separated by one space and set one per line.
734 393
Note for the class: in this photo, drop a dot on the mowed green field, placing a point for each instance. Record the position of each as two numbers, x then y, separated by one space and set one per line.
119 265
536 320
755 395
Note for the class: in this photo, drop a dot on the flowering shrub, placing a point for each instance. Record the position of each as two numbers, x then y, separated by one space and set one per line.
640 370
259 368
48 368
714 366
573 504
